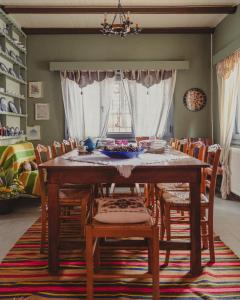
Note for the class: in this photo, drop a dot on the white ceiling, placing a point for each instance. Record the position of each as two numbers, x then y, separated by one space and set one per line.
144 21
94 20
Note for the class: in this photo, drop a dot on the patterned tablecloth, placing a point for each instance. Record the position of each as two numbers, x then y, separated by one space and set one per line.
125 166
13 156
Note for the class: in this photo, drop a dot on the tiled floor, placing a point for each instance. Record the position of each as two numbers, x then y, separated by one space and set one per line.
227 223
12 226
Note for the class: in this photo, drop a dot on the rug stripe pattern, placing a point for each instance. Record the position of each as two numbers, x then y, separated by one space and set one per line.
24 272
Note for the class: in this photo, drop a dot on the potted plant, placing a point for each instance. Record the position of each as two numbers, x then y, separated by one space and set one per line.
10 189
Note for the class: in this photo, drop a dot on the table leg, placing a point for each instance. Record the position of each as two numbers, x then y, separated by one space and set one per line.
53 228
195 212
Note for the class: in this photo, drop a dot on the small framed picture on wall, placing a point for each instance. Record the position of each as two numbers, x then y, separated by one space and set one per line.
33 133
42 111
35 89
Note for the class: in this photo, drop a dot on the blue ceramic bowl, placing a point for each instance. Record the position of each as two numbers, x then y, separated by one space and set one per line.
122 154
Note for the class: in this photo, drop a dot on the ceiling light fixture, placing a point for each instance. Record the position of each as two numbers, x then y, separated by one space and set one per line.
123 27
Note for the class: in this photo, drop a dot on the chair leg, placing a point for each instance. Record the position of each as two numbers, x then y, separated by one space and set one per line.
204 230
162 221
89 262
43 225
84 203
211 241
204 235
167 219
155 263
112 188
97 255
132 191
138 190
150 255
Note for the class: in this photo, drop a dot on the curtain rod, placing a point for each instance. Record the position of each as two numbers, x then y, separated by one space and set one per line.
117 65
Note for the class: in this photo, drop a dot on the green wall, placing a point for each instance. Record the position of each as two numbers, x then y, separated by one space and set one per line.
226 33
45 48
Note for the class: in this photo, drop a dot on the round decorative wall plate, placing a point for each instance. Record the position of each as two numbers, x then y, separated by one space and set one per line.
195 99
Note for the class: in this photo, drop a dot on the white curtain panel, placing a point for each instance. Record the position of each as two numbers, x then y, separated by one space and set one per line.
73 107
106 94
150 106
87 109
227 98
238 112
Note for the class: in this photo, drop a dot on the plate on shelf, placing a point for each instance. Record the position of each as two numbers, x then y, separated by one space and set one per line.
3 67
4 104
18 58
16 131
12 72
12 107
20 77
12 54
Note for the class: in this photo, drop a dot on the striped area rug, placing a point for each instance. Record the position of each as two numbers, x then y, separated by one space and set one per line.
24 273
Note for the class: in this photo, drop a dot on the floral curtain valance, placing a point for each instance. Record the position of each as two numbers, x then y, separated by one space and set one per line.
225 67
146 77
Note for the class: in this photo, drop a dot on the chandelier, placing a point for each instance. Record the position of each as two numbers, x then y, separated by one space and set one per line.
123 27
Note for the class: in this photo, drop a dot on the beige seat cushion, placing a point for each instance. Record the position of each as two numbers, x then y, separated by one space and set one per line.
179 198
173 186
121 210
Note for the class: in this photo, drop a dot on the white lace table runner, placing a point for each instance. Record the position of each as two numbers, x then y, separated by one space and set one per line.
125 166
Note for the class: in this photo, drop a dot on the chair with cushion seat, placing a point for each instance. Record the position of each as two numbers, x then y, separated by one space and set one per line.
195 149
70 198
173 201
121 217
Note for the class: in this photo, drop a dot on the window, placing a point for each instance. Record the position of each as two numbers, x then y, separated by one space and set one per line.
236 135
120 120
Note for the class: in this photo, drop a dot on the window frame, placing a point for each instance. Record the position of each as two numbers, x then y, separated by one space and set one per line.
121 134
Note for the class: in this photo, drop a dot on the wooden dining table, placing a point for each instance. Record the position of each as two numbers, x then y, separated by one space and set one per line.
62 170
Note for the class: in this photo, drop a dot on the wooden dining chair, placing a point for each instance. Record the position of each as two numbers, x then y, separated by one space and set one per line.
73 142
57 149
197 150
68 145
121 217
69 198
172 201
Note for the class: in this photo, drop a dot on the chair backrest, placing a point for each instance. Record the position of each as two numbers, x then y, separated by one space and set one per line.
57 149
43 153
182 145
213 156
68 145
197 150
73 142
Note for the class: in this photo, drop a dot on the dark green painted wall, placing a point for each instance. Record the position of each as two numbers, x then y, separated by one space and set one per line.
45 48
228 31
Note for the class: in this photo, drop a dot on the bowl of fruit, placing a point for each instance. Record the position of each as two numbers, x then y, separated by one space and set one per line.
128 151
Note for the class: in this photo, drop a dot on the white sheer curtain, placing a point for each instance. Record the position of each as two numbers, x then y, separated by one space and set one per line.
150 106
238 112
73 107
87 109
228 86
